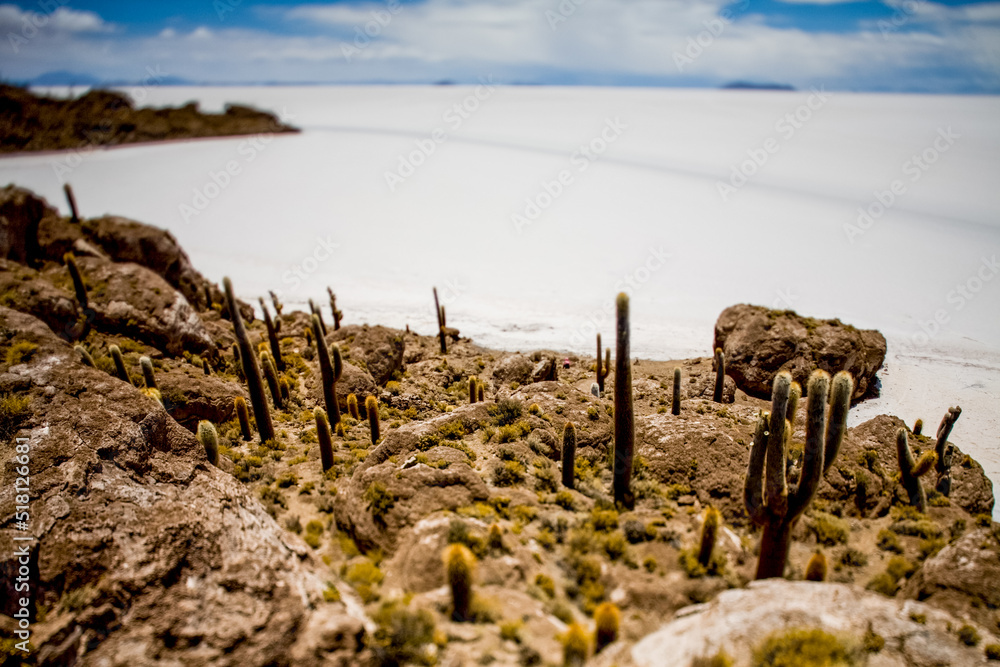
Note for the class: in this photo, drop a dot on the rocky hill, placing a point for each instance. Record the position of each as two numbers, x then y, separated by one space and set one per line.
146 548
30 122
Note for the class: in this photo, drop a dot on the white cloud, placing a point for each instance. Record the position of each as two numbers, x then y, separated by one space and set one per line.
65 20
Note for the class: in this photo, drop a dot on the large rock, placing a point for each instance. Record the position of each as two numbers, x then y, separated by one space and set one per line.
738 621
379 349
513 368
144 553
21 212
760 342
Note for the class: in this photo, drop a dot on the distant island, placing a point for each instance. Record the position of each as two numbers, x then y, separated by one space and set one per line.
108 118
750 85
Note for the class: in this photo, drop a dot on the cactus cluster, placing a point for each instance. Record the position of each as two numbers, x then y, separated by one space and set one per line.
943 453
624 419
251 372
568 455
605 369
769 501
442 322
911 472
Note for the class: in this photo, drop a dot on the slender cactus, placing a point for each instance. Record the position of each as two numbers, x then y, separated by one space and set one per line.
147 372
918 427
209 301
325 439
794 394
624 419
78 285
326 370
720 375
272 337
459 566
71 200
276 303
607 621
371 408
605 369
568 455
675 402
251 371
243 415
480 392
709 534
209 439
352 407
120 370
333 308
271 376
322 325
439 311
85 356
911 472
473 391
768 500
576 646
943 452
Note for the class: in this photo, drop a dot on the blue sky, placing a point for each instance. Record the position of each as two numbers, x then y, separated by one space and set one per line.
893 45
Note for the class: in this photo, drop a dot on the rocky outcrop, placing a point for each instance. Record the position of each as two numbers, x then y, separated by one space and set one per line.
738 621
108 118
21 213
760 342
377 348
513 368
144 552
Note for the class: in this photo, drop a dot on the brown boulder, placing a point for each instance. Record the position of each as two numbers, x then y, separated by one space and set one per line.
759 343
378 349
21 212
190 396
170 559
513 368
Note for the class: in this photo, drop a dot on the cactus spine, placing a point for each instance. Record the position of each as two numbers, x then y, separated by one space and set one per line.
71 200
709 534
605 369
675 403
352 407
911 472
325 439
918 427
243 415
78 285
209 439
459 566
333 307
272 337
607 621
768 500
147 373
85 356
568 455
624 420
371 408
943 454
816 568
120 370
271 376
255 385
720 375
439 311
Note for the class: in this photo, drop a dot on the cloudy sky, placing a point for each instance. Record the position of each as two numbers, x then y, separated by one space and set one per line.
892 45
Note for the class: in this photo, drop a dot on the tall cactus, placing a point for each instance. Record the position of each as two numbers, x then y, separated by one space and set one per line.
272 337
243 415
480 392
768 500
78 285
325 438
473 389
120 370
918 427
74 215
720 375
271 376
371 408
439 311
675 401
333 307
624 419
602 370
943 454
251 371
147 372
276 302
568 455
459 566
911 472
352 407
330 371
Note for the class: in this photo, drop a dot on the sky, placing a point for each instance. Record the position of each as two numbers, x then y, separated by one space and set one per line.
915 46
